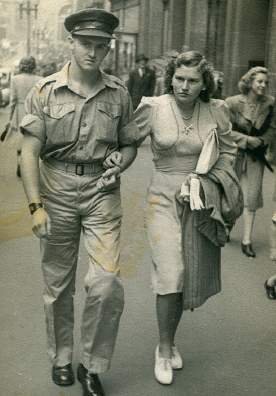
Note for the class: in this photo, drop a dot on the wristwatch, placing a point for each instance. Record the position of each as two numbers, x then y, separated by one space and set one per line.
34 206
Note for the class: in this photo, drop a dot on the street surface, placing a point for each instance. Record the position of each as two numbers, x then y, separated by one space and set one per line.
228 344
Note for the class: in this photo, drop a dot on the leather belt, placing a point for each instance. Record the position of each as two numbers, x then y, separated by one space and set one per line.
77 169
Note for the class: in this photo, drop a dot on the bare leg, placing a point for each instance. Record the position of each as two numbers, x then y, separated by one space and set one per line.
18 171
248 218
169 309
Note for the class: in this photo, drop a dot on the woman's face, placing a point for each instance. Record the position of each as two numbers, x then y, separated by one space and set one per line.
259 84
187 83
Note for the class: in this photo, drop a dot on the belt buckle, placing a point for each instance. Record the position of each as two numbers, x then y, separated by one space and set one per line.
79 169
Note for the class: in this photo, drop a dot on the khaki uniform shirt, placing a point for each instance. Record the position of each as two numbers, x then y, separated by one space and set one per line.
76 129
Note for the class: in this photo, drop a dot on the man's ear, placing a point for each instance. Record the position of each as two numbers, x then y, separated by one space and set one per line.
70 41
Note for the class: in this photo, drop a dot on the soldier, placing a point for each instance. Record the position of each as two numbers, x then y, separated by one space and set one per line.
79 122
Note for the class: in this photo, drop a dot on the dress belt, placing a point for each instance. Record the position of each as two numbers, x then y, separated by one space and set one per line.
77 169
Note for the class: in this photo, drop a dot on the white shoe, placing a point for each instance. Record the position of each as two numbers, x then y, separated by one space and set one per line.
177 362
163 369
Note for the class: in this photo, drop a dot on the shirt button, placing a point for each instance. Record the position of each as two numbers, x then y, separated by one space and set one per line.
84 124
81 147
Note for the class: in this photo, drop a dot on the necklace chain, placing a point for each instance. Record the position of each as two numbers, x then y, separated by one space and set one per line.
187 118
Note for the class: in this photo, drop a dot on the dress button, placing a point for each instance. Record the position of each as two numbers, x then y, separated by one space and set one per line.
84 124
81 147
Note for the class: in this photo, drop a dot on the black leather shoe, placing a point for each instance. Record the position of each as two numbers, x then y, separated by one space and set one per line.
63 376
18 171
90 382
248 250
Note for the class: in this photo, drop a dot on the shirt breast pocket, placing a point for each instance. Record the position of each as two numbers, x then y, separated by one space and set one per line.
58 120
108 121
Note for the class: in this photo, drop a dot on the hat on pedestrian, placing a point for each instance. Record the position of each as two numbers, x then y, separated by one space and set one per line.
92 22
141 57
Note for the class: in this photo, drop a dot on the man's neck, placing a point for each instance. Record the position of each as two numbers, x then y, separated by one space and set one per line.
78 77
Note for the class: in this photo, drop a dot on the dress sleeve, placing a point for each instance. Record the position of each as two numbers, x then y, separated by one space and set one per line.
33 122
143 116
224 128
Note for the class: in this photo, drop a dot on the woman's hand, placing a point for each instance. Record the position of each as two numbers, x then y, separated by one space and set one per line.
41 223
253 142
114 159
108 179
195 201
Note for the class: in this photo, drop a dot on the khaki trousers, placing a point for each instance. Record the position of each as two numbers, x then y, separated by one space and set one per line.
72 207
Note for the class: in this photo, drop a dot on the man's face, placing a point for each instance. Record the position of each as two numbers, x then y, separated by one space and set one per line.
142 63
89 51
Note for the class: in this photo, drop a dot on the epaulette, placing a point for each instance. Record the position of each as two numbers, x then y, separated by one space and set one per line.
46 80
118 81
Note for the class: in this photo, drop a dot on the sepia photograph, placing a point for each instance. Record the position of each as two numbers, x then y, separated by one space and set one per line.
138 197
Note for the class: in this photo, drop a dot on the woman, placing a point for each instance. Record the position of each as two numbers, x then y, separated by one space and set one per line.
21 85
251 114
186 263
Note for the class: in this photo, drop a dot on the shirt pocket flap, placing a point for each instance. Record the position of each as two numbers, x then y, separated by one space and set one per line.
59 111
110 109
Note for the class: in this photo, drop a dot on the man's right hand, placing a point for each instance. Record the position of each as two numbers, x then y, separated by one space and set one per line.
253 142
41 223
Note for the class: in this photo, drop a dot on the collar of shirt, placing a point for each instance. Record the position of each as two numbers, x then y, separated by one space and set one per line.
103 81
141 71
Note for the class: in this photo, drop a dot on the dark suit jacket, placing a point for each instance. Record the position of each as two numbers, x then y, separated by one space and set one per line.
140 86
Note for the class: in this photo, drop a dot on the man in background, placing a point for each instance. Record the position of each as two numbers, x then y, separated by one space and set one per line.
141 80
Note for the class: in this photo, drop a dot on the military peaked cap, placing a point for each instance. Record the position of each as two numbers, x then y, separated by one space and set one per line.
92 22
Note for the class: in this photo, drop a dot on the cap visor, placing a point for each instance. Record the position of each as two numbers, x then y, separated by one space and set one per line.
93 32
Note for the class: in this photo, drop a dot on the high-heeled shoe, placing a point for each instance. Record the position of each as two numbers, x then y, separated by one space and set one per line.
270 291
248 250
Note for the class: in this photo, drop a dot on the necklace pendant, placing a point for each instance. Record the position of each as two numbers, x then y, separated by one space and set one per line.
188 129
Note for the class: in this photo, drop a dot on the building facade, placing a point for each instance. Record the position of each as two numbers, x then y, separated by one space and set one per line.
33 27
233 34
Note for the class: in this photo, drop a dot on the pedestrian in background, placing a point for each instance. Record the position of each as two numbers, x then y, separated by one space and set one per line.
270 284
253 124
159 88
218 78
21 84
80 122
193 152
141 80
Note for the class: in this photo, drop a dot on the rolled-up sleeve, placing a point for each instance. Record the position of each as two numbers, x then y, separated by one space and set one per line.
128 132
143 117
224 128
33 122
